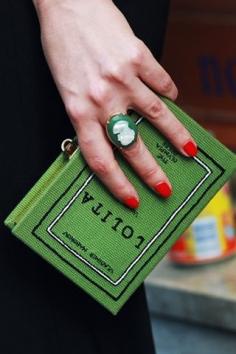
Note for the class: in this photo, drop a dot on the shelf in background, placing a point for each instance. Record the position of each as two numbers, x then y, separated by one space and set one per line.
202 294
200 56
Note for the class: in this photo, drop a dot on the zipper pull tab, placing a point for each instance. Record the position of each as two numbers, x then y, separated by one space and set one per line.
69 147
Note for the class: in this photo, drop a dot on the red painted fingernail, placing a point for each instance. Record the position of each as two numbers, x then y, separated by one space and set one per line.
190 148
131 202
163 189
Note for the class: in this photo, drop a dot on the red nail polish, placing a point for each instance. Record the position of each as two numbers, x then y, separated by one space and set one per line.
131 202
163 189
190 148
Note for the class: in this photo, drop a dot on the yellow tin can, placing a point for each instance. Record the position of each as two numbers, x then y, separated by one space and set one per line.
212 234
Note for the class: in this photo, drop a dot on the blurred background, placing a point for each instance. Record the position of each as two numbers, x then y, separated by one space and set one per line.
192 292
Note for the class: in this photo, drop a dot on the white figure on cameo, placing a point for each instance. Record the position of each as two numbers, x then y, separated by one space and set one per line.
125 133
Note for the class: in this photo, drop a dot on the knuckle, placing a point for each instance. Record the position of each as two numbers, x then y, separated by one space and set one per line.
178 133
75 110
137 52
149 172
86 140
99 93
176 93
166 83
115 72
121 186
100 166
133 150
155 109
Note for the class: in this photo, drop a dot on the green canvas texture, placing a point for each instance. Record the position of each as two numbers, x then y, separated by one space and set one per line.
107 249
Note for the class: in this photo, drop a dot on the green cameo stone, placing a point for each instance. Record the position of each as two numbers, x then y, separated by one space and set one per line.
121 130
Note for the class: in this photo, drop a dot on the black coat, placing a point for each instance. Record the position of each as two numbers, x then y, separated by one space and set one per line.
41 311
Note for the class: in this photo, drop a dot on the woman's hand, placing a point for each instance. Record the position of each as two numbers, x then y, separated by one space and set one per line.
100 67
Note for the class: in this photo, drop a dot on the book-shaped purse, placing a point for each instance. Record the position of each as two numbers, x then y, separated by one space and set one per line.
107 249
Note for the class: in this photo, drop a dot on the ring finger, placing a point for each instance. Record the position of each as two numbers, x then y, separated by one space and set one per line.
140 158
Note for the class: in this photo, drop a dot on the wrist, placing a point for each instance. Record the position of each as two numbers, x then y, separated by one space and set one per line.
41 5
44 3
38 3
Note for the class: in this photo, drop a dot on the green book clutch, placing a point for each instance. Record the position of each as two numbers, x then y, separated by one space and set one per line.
107 249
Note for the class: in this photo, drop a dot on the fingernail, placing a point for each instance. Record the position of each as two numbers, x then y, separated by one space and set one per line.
190 148
131 202
163 189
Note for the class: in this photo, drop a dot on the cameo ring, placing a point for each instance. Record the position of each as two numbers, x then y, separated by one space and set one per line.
121 130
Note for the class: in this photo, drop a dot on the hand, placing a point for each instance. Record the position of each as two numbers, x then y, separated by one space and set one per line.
100 67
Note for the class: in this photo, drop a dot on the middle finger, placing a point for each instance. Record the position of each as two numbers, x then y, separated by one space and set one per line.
146 166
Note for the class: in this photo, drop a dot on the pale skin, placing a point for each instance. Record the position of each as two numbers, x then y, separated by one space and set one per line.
101 67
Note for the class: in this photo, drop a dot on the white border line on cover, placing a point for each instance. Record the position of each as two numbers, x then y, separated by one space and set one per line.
117 282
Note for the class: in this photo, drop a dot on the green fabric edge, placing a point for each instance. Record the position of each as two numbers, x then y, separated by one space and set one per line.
36 193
